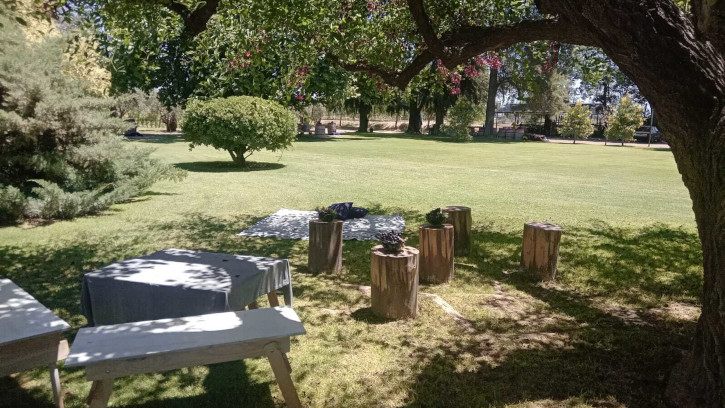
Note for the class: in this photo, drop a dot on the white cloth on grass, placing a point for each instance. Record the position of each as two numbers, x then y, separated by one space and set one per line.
294 224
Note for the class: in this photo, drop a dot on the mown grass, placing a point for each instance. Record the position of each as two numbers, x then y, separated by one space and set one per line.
604 335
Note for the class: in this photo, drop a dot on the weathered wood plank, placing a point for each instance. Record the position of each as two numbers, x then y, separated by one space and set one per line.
141 339
22 316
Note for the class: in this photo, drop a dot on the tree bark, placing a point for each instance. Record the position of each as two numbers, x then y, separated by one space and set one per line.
440 115
436 253
548 125
394 283
238 156
460 218
365 110
325 248
491 102
415 119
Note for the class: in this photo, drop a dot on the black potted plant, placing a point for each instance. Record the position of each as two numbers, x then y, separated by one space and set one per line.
436 248
325 249
394 276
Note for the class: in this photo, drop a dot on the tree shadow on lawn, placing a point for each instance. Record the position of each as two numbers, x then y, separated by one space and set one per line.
227 166
603 358
591 353
333 138
159 139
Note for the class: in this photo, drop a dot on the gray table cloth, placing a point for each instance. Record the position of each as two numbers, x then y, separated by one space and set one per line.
178 283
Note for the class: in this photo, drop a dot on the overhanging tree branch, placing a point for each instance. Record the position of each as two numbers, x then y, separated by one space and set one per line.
425 28
465 43
194 21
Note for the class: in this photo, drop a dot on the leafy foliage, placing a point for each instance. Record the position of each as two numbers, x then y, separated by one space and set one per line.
326 214
392 241
240 125
436 218
576 123
12 204
625 120
461 117
59 146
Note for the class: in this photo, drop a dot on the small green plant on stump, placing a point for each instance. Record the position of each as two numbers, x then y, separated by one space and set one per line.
436 218
392 241
326 214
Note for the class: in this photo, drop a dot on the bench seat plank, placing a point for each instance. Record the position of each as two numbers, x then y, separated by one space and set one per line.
139 340
23 317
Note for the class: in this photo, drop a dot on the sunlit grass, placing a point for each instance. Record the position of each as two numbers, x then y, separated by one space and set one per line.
629 241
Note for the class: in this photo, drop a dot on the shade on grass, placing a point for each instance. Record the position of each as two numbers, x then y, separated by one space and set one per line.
629 247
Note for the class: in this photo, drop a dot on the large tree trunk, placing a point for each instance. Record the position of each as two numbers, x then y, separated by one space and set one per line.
699 381
548 126
415 119
364 111
440 116
238 156
683 77
491 102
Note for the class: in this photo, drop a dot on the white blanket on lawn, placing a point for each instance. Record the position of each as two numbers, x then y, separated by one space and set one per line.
294 224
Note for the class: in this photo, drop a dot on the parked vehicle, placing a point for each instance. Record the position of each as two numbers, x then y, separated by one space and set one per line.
642 134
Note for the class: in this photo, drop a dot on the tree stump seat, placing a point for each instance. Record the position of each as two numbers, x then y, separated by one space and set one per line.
436 253
460 218
394 288
540 249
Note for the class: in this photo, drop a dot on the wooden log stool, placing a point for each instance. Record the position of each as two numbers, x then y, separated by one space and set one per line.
460 218
436 253
540 249
325 250
394 289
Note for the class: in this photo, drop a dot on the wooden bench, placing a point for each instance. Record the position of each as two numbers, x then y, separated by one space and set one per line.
31 336
110 352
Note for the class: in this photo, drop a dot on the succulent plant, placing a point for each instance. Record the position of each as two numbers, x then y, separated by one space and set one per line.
436 218
326 214
392 241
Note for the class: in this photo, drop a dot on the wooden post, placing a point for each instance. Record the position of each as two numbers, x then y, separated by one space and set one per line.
436 253
540 249
325 250
55 385
281 368
394 289
460 218
100 393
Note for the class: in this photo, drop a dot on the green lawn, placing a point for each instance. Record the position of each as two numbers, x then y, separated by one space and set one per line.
604 335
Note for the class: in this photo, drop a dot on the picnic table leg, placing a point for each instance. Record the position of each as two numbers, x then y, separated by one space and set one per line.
281 368
100 393
272 297
55 384
287 292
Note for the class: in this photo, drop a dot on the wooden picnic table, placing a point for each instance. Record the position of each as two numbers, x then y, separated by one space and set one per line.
31 336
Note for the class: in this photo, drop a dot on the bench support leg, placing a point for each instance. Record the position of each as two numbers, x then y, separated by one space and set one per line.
253 305
273 300
281 368
55 384
100 393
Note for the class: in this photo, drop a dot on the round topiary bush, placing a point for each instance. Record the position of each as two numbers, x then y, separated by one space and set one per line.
240 125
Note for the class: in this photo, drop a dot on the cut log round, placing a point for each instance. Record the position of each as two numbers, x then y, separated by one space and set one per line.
460 218
436 253
540 249
394 289
325 251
